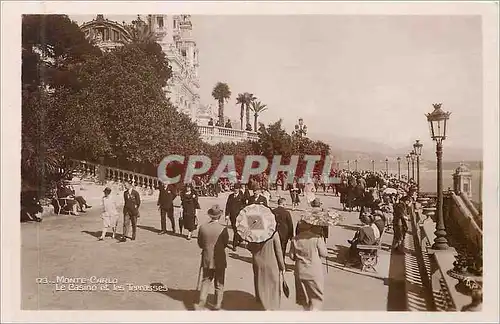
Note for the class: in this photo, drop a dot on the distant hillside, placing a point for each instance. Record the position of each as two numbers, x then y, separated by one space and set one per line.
364 151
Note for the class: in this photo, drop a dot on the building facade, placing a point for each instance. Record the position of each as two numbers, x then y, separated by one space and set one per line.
174 34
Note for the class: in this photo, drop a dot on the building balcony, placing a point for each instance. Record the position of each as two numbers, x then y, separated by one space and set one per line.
216 134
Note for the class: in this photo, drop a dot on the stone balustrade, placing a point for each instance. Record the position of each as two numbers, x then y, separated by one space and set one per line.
216 134
93 171
437 264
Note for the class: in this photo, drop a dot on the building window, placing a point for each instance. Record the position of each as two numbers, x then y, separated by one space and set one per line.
106 34
175 23
116 35
160 21
183 53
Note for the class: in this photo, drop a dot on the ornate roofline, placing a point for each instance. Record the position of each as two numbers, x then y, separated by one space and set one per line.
99 20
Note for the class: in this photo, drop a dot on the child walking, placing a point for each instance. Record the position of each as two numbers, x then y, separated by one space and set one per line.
109 215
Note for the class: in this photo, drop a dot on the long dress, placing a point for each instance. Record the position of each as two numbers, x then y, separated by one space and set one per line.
109 213
267 260
307 249
309 190
189 206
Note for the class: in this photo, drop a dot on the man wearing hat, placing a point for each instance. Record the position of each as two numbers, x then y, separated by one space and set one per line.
166 205
131 204
235 203
213 239
257 197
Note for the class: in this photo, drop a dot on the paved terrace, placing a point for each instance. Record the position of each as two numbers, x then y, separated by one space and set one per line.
67 246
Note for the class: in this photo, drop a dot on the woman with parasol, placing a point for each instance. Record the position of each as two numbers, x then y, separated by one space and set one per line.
256 224
307 249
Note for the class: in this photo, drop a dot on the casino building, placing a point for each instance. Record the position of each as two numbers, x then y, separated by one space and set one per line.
174 34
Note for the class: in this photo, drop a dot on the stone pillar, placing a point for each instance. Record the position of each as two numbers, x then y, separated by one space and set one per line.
462 181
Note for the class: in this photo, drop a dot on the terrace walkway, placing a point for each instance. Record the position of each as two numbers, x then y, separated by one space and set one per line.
67 246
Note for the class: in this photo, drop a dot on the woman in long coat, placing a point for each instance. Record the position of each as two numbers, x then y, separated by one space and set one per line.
307 250
268 264
294 193
190 204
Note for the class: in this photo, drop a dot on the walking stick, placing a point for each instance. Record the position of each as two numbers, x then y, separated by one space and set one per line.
198 283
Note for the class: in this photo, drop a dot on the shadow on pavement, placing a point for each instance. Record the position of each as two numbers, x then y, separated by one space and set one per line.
188 297
396 297
239 301
95 234
233 299
340 253
240 257
149 228
349 227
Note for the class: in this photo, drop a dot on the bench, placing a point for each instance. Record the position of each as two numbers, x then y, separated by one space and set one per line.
369 254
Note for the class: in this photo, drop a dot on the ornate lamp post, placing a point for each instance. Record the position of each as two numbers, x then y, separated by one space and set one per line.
417 148
373 165
412 157
348 165
437 123
399 167
386 166
356 164
408 159
300 128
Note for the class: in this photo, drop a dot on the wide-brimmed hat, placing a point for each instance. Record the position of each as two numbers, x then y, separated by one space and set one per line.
215 211
107 190
316 202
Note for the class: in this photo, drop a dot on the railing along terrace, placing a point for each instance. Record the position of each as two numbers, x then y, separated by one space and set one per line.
229 133
441 265
95 170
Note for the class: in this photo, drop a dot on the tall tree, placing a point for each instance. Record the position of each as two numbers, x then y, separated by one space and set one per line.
250 98
53 48
141 31
244 100
221 93
257 108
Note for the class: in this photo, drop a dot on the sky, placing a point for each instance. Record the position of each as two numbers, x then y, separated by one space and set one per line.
367 77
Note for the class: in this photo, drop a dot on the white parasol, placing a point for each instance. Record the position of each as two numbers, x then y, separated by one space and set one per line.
390 191
322 217
256 223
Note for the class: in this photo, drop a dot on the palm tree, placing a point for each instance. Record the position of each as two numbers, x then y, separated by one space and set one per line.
250 99
141 31
244 99
257 107
221 93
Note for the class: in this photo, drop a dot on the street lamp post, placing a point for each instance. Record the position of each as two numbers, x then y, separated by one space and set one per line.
417 147
373 166
300 128
437 123
399 167
408 159
387 167
412 157
356 164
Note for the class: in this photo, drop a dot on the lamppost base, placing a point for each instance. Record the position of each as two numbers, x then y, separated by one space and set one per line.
440 243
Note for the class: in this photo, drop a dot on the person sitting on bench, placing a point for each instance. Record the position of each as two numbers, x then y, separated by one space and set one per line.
64 191
366 235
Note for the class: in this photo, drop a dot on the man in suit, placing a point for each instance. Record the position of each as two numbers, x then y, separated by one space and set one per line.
257 197
131 204
213 239
166 205
246 193
284 224
235 203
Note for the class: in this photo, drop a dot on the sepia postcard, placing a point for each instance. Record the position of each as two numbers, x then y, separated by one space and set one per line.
249 161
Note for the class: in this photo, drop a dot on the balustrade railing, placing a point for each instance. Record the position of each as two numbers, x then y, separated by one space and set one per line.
100 172
440 265
226 134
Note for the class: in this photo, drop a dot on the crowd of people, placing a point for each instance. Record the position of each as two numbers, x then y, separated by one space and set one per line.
382 202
